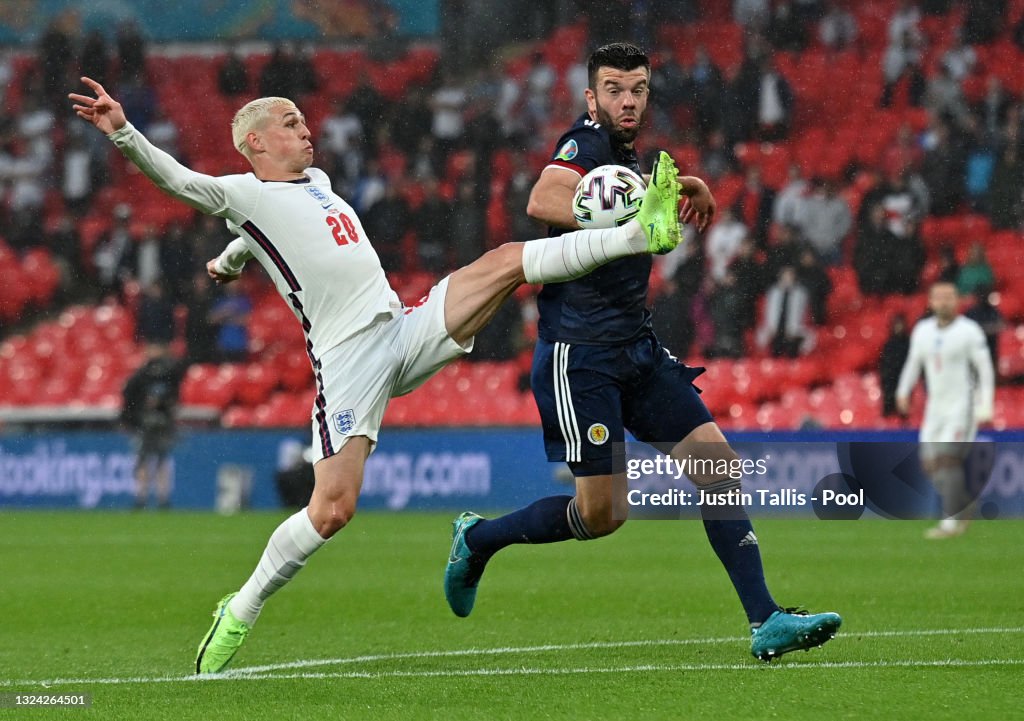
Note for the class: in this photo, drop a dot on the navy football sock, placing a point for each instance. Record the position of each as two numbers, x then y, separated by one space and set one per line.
543 521
732 536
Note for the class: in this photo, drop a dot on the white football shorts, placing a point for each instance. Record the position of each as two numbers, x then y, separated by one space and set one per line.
357 378
947 434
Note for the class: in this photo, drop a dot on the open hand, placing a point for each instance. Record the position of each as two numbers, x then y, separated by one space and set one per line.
102 111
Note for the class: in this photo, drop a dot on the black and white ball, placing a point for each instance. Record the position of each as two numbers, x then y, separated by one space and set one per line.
608 196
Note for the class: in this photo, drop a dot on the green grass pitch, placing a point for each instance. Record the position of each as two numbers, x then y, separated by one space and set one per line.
640 625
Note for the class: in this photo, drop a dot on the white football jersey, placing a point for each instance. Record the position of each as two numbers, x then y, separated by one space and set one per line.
957 367
308 239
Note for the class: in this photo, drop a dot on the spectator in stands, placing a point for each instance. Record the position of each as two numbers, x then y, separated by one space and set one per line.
94 58
785 250
976 272
723 243
230 315
432 222
147 265
903 59
783 330
426 163
65 244
200 339
728 307
233 76
177 261
305 80
517 197
716 158
786 30
707 93
983 21
131 51
77 174
825 219
448 102
369 105
811 274
468 227
139 98
673 84
278 77
1004 201
890 364
54 51
989 318
369 188
540 80
754 206
163 133
788 205
884 262
775 103
750 280
993 109
905 200
905 21
341 135
838 28
114 253
949 268
751 14
960 58
576 81
944 96
155 318
150 411
387 223
943 170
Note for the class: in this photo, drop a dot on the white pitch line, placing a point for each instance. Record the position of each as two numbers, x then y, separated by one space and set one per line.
265 672
525 671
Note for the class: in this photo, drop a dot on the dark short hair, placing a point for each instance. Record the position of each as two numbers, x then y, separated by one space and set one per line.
621 56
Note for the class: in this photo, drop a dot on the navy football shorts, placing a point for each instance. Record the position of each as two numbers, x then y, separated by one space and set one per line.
588 395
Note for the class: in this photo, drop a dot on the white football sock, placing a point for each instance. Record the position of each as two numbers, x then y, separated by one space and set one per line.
290 545
569 256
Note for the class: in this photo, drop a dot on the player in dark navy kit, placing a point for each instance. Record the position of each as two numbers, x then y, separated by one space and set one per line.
598 370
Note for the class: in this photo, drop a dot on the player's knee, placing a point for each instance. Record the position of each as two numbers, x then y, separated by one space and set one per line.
716 467
332 515
601 520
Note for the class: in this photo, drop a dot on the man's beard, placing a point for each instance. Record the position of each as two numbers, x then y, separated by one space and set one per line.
621 136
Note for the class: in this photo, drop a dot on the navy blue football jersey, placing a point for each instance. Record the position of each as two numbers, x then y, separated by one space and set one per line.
608 306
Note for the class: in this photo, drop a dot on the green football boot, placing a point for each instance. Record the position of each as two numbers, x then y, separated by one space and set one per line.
792 630
222 640
659 210
462 575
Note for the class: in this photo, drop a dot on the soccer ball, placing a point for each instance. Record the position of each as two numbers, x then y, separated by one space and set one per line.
607 196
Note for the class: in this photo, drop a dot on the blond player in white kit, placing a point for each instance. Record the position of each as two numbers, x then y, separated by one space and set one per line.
953 352
365 347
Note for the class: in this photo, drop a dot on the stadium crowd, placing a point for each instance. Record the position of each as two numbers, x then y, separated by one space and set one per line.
441 171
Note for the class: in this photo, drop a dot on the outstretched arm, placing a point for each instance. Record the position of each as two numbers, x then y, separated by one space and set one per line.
202 192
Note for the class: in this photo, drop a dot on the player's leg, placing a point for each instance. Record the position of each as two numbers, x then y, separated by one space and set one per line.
353 382
163 480
477 290
667 405
945 466
774 631
581 417
142 476
338 480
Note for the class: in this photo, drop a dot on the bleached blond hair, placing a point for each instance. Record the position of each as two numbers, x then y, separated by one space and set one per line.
253 116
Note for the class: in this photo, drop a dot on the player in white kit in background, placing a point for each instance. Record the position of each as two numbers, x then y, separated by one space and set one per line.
365 347
952 351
